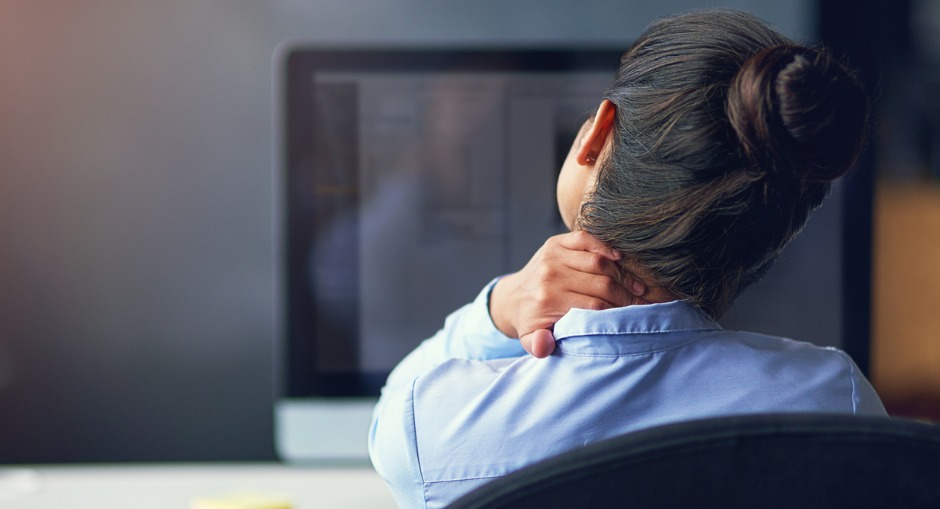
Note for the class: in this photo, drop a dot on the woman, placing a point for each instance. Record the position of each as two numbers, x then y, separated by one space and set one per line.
718 139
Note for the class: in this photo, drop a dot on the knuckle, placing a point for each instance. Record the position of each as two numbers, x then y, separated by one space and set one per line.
541 297
598 263
545 273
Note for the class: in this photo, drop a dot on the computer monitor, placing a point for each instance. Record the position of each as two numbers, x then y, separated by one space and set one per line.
407 179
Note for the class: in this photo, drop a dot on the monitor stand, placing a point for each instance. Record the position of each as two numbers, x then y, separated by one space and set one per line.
323 430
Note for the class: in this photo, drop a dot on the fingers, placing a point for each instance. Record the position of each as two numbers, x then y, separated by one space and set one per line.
582 252
587 262
633 283
539 343
591 291
574 270
580 240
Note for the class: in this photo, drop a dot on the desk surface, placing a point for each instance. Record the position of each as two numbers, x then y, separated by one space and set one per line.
176 486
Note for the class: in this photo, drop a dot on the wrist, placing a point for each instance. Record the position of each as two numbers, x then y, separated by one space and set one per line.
497 307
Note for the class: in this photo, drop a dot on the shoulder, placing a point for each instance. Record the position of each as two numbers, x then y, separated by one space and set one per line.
756 344
467 412
794 375
455 390
774 356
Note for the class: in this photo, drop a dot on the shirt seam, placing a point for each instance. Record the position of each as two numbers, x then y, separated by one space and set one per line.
632 354
851 379
620 332
471 478
414 428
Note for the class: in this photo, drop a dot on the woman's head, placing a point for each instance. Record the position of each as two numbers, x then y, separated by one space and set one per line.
718 139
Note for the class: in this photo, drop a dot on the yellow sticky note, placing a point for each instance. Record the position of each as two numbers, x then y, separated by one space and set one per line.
241 501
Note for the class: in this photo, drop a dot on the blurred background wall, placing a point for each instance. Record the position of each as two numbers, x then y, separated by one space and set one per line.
906 283
135 201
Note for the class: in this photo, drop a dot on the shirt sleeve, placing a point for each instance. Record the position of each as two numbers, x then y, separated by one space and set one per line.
468 333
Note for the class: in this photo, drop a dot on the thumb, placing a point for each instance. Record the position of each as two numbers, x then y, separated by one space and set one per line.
540 343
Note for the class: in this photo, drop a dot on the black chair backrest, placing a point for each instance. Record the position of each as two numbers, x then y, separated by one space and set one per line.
756 461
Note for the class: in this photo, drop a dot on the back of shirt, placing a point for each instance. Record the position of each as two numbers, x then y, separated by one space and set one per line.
612 372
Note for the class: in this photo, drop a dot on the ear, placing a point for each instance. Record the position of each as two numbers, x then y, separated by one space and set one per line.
593 141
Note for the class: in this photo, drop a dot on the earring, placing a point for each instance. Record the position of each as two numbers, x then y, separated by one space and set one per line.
591 158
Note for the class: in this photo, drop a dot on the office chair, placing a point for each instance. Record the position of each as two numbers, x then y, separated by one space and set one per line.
757 461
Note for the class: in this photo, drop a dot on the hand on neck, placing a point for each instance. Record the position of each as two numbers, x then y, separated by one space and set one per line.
653 293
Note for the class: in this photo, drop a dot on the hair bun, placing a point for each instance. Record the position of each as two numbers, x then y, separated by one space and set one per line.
798 114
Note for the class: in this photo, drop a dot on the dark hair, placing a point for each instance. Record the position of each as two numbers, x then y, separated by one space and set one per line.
727 135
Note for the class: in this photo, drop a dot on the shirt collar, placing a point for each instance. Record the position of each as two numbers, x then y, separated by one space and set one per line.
630 329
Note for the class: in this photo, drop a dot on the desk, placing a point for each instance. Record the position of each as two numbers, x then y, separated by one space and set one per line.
174 486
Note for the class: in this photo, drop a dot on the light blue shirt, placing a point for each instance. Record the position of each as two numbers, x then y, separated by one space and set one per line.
469 404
